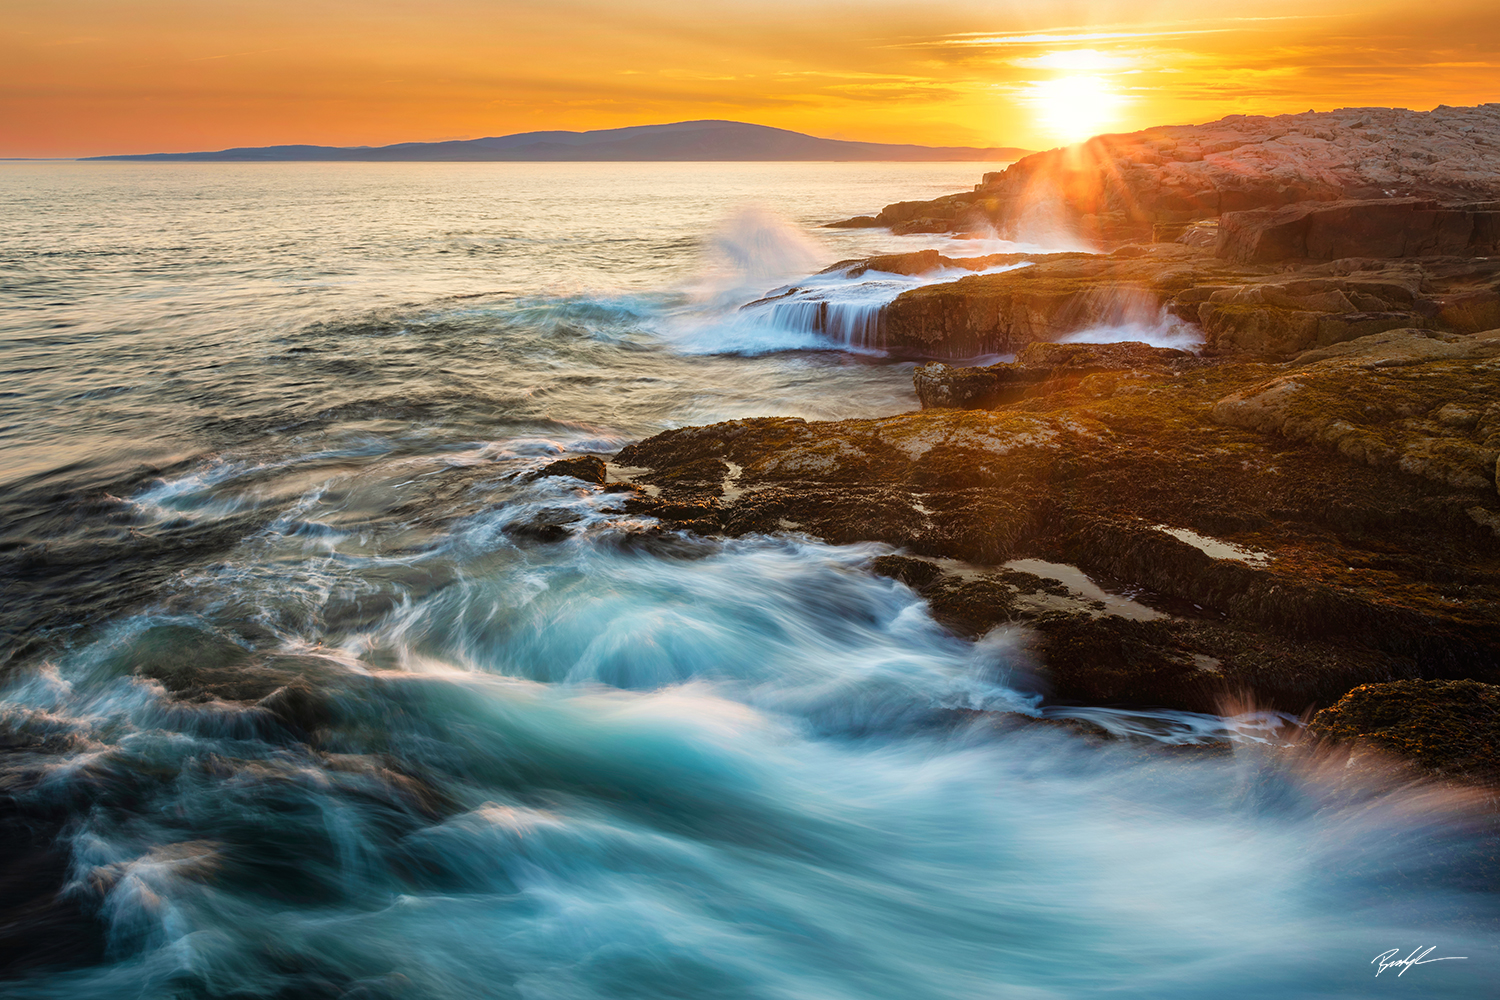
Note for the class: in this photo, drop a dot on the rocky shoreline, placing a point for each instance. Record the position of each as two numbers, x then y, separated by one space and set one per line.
1303 515
1155 184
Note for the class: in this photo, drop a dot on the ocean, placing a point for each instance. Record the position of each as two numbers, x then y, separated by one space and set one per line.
299 701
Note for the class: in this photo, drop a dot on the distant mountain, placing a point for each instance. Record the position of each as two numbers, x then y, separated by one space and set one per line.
705 140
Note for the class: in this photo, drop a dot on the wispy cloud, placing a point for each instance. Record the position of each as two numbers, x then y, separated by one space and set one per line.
1078 59
239 55
1064 37
1069 34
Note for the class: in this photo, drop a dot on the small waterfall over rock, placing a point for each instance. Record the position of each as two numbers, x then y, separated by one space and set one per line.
848 311
855 325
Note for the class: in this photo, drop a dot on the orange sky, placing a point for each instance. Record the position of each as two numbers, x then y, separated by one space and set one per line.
81 77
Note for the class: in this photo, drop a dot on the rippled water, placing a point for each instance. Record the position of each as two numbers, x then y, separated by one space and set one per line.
312 691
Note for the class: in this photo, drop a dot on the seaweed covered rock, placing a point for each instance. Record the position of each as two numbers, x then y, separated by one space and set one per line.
1132 654
589 468
1287 570
1038 368
1449 726
1427 404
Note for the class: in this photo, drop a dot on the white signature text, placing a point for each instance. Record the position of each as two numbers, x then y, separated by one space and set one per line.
1418 956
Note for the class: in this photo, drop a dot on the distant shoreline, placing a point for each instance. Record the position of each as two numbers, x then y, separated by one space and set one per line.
336 163
677 142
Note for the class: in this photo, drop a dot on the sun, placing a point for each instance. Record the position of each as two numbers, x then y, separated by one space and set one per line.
1073 108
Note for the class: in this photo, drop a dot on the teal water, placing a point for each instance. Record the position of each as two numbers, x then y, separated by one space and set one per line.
300 702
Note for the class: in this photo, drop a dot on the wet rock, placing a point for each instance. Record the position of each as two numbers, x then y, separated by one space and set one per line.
915 573
189 660
549 525
917 262
925 262
1319 305
1091 732
301 707
1290 573
971 607
1114 660
1266 329
913 227
946 209
1240 308
1203 663
589 468
1449 726
1038 368
44 923
1056 295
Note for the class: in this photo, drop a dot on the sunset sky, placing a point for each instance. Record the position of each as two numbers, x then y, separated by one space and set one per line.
81 77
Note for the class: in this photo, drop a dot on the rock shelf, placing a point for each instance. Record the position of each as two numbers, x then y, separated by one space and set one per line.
1302 514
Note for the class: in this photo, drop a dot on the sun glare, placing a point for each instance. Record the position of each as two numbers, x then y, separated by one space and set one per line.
1073 108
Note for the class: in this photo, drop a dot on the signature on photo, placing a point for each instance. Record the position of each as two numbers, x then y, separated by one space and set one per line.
1388 959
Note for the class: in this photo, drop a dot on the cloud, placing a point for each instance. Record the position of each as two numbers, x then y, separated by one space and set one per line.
1072 34
1078 59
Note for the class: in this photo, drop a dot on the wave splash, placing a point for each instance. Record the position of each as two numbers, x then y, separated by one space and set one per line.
609 766
1161 330
837 309
827 311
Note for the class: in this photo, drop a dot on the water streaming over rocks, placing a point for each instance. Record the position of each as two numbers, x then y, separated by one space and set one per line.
842 309
312 688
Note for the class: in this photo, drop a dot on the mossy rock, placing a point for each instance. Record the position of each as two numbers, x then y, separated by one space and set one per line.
1405 399
1449 726
1320 573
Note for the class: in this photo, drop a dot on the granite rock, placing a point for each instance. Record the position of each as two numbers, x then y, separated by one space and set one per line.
1117 188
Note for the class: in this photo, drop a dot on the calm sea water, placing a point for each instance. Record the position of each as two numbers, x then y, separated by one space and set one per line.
298 703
